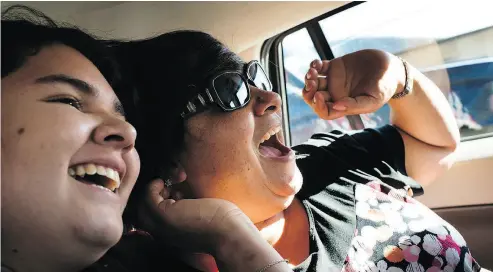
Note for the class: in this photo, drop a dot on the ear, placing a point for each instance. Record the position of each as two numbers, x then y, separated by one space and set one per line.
177 173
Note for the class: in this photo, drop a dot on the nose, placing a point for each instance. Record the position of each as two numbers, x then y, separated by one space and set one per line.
265 102
116 133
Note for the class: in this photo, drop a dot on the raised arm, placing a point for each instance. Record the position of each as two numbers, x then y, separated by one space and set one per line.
364 81
427 125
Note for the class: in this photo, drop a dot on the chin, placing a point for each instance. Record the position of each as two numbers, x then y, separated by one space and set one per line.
288 187
297 181
288 202
103 233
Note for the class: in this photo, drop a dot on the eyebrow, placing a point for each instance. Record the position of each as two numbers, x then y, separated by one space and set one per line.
80 86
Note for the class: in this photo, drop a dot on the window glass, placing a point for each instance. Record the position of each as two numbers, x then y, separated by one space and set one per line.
450 42
298 52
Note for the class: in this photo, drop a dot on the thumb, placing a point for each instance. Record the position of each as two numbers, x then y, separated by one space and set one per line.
155 191
148 209
355 105
158 196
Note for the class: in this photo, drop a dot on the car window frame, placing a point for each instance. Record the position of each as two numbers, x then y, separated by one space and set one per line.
271 57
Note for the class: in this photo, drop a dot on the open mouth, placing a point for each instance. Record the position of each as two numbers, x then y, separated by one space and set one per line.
96 175
270 146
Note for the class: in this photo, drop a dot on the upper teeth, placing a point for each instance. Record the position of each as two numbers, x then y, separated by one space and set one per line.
92 169
271 132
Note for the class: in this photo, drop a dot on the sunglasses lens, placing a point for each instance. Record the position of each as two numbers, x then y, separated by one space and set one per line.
258 76
232 90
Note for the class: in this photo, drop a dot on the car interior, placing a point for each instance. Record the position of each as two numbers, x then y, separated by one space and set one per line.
450 42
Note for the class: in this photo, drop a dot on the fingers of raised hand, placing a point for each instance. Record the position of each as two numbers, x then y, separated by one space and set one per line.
158 196
321 104
321 66
357 105
313 84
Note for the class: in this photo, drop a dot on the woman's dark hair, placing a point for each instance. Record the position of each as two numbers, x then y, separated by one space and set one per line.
26 31
162 74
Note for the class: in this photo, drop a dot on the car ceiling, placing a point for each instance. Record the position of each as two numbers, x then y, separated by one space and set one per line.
241 25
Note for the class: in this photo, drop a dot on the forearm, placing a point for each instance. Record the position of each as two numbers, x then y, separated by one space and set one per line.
245 251
425 113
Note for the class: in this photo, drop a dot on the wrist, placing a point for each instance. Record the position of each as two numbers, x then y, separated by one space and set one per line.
404 77
244 247
237 235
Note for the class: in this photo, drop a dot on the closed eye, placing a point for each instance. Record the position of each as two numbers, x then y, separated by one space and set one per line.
71 101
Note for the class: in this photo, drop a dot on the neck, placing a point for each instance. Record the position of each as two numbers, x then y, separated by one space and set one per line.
28 266
15 261
273 228
288 232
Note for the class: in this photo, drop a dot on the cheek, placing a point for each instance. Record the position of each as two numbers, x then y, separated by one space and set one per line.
202 159
43 140
37 145
220 159
61 139
220 145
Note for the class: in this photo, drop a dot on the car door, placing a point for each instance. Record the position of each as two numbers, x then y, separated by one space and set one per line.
450 43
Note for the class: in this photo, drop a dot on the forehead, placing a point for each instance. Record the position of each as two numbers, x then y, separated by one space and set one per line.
61 59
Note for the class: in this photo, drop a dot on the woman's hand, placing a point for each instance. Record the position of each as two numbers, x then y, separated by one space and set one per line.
212 226
197 225
356 83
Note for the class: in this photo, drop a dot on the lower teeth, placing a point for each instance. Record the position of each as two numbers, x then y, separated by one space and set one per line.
99 186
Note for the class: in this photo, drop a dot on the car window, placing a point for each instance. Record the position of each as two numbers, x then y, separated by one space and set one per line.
450 43
298 52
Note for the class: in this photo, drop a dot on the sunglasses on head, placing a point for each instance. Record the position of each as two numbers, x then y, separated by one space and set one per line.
229 90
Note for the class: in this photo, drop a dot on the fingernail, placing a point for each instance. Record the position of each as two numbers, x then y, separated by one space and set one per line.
314 99
314 63
308 76
339 107
307 87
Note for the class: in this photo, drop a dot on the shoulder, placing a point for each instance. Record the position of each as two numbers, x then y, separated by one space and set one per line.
356 156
